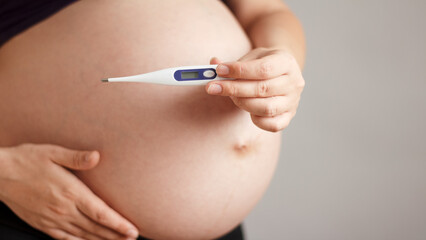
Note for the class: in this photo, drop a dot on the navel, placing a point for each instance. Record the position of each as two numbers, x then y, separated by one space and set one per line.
243 149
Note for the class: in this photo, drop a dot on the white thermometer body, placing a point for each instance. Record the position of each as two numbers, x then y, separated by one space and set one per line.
187 75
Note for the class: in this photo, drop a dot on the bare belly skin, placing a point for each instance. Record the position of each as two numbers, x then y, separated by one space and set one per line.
178 163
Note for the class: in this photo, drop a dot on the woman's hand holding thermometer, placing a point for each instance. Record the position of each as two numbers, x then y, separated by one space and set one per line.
267 83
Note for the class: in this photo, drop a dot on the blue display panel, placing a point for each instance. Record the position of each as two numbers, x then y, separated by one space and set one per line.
193 74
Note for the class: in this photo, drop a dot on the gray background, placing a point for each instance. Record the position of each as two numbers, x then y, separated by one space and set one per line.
353 161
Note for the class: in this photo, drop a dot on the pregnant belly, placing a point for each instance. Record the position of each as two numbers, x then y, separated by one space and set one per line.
178 163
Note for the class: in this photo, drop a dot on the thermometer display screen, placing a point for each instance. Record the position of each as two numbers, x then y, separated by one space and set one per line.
189 75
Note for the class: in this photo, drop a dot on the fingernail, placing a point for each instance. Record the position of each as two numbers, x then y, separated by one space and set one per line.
214 89
132 233
222 69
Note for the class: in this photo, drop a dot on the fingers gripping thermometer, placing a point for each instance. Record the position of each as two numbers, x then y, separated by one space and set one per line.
188 75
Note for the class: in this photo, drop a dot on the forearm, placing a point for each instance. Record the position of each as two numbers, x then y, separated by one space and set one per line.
281 30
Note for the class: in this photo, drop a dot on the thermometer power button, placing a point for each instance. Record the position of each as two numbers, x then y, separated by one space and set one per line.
209 73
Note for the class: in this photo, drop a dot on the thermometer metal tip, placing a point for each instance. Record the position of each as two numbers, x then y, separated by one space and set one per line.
104 80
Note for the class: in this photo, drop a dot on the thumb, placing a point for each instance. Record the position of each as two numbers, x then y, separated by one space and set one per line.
77 160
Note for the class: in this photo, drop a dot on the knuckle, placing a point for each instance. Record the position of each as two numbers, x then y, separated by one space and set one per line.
76 160
270 110
265 69
70 194
100 216
262 89
239 69
57 210
233 90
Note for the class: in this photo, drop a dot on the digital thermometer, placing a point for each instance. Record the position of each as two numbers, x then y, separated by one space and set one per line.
188 75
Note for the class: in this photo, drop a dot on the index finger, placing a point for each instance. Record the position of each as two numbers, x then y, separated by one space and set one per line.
263 68
97 210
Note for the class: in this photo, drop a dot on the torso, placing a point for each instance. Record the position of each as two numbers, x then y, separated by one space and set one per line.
177 162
